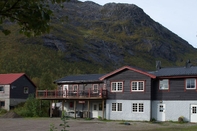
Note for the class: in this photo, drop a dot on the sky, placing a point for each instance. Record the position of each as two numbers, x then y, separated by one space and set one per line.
179 16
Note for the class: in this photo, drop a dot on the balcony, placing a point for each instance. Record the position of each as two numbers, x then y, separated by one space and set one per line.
66 94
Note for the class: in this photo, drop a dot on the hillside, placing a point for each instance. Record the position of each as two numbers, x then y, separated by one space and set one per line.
114 35
94 39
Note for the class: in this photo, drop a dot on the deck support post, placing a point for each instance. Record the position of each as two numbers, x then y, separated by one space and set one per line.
103 102
51 112
63 113
75 109
88 113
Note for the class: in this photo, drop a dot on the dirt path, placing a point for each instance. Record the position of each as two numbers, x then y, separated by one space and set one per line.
43 124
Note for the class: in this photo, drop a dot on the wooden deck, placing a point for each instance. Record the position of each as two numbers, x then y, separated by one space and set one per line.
64 94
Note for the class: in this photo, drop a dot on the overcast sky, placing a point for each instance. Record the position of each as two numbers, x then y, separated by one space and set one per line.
179 16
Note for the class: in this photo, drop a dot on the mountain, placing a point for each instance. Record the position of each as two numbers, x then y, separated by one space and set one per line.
94 39
115 35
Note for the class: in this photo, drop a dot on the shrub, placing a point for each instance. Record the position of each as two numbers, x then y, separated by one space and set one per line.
99 117
3 111
181 119
31 108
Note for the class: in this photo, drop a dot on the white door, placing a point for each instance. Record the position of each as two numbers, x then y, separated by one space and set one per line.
161 112
64 89
193 113
95 110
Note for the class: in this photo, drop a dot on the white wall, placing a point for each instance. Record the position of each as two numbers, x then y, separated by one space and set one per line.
4 96
6 92
174 109
126 113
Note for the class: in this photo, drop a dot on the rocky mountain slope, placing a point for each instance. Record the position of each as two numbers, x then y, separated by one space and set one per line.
113 35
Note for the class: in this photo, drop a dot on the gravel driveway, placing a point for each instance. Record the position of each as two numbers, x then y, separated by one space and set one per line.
43 124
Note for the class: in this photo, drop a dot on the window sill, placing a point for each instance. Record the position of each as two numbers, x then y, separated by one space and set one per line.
137 91
190 89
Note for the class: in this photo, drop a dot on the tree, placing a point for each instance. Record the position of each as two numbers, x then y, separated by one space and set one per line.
46 82
33 16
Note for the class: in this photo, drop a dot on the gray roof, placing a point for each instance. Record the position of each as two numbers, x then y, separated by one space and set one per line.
163 72
87 78
176 71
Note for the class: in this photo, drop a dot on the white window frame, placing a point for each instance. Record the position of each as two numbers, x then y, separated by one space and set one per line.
138 107
189 80
93 88
134 107
75 91
113 107
164 84
116 88
116 107
137 86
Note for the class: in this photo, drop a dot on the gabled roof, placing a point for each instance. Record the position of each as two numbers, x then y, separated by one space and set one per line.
176 71
7 79
79 79
128 68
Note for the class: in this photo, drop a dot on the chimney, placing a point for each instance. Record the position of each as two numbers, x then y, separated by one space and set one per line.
188 64
158 65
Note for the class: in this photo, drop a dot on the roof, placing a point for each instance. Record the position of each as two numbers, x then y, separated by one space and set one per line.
80 78
9 78
176 71
128 68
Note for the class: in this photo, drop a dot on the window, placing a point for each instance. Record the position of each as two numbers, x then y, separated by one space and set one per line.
164 84
161 108
190 83
141 107
95 107
116 106
138 107
113 106
100 107
119 107
117 86
2 103
134 107
95 88
26 90
194 110
1 88
75 88
137 86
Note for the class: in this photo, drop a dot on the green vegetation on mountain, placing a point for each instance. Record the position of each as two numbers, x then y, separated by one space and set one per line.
94 39
43 65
